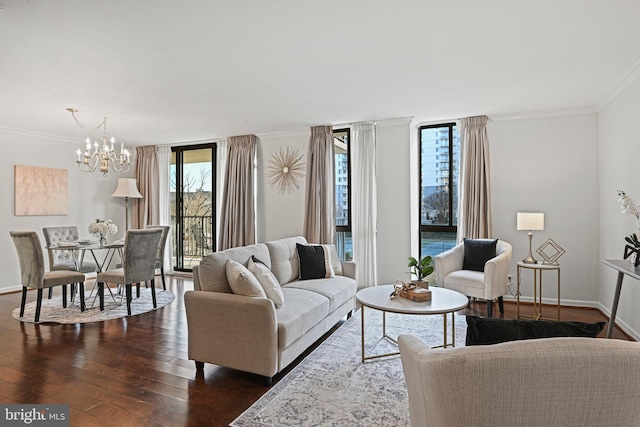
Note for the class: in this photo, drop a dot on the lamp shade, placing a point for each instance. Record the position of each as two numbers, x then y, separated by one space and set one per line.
127 187
530 221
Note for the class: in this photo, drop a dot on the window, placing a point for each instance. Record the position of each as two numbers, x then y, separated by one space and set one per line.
193 210
438 187
344 244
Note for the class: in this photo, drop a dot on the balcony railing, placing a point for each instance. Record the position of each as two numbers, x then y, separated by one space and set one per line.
198 237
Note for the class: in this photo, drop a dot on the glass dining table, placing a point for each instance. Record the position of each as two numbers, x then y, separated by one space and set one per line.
80 248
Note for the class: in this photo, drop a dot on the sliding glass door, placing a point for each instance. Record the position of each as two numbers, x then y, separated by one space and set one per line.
193 204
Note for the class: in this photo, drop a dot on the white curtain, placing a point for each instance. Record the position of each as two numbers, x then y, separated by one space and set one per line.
320 212
364 203
474 213
164 171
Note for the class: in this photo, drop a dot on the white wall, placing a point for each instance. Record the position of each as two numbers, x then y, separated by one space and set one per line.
89 195
549 165
619 154
280 215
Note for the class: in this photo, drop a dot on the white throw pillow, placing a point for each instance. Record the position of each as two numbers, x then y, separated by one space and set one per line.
242 281
267 280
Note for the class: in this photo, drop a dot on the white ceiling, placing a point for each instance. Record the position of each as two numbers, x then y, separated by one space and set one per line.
173 71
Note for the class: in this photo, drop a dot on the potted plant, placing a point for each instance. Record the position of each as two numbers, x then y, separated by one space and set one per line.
421 269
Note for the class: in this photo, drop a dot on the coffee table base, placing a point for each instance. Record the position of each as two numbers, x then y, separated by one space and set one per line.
445 343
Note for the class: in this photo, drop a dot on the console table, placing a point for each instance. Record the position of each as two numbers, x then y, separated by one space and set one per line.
622 267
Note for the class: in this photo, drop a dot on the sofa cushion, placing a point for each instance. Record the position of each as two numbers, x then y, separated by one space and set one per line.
284 258
300 312
338 289
485 331
477 252
267 280
212 273
315 262
242 281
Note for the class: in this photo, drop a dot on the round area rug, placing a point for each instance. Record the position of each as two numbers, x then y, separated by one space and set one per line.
53 312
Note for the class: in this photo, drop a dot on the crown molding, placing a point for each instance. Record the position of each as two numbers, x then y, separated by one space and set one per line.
626 80
36 134
286 133
563 112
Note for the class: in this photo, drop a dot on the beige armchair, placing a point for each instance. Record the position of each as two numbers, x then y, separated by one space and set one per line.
551 382
489 284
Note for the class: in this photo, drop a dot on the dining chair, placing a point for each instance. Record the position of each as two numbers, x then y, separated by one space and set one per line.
138 265
33 275
65 259
161 249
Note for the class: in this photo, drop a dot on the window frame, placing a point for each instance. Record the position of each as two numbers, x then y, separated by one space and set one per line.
345 228
426 228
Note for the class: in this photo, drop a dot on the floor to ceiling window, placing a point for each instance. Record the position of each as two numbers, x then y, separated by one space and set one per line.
193 207
439 174
344 244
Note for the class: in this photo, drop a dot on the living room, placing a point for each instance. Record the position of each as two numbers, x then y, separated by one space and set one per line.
564 150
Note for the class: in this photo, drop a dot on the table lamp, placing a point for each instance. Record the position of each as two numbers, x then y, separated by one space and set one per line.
530 221
127 188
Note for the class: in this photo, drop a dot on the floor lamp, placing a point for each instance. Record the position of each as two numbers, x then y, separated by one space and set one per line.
127 188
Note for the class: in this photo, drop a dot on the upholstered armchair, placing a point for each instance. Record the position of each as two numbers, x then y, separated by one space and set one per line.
550 382
31 258
138 265
488 285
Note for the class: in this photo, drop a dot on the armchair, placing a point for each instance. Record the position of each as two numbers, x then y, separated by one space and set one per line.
550 382
489 284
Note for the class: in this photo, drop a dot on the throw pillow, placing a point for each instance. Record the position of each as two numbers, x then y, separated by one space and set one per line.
335 260
477 252
267 280
488 330
242 281
315 262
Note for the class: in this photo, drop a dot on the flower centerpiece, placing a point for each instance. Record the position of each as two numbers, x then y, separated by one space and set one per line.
100 228
630 206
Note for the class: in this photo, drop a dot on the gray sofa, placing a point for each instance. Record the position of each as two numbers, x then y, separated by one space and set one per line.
249 333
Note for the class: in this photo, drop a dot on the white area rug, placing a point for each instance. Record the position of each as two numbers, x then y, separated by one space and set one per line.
53 312
332 387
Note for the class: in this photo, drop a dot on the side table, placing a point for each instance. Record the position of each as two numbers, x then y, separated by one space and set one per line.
537 286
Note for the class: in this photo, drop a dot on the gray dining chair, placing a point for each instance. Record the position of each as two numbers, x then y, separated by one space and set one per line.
33 275
161 249
138 265
65 259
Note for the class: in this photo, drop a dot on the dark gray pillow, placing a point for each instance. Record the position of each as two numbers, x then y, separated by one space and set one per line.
477 253
489 330
312 262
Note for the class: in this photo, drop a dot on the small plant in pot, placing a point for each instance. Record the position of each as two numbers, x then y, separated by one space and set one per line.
421 269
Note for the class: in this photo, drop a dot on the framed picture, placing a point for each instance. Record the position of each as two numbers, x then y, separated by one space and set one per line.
41 191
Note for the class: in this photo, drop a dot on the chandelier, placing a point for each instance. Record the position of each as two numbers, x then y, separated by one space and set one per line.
103 155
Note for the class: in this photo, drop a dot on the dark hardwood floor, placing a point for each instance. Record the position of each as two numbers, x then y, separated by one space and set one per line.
134 371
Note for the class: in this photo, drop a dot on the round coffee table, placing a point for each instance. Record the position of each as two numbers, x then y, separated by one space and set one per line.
443 301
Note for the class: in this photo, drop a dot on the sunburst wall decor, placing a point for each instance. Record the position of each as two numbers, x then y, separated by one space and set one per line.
285 170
